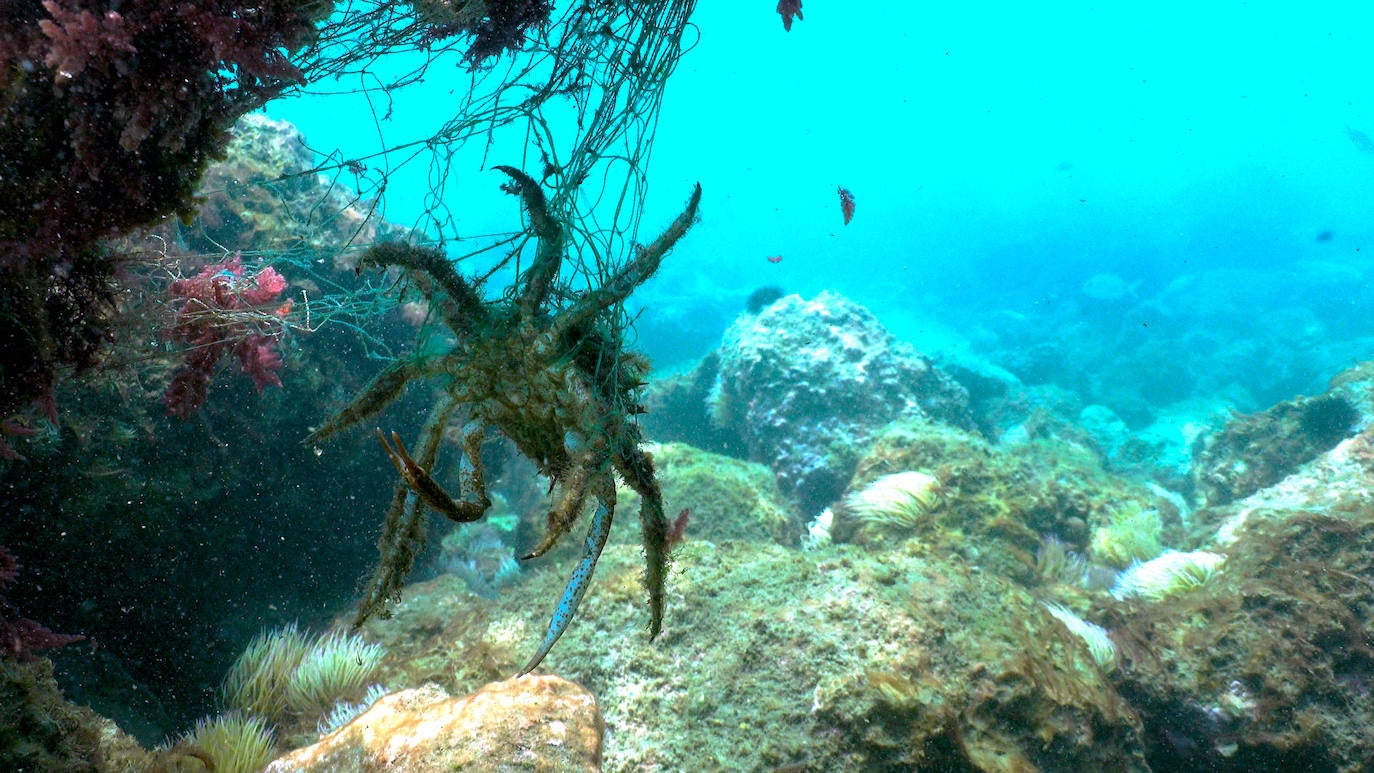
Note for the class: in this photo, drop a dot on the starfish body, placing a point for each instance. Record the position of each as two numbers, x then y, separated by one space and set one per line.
545 367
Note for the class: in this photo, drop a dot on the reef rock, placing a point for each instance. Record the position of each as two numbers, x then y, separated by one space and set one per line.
262 196
541 723
1255 451
807 382
1336 482
996 502
1307 454
1267 666
777 659
40 730
726 499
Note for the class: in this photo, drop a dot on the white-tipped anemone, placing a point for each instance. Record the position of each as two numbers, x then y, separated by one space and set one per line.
284 673
1171 572
235 742
336 664
1100 645
901 500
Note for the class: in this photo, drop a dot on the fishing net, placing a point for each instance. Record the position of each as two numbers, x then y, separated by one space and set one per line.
578 94
570 96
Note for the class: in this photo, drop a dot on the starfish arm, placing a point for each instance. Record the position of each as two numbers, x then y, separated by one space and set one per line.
577 584
634 273
636 467
538 279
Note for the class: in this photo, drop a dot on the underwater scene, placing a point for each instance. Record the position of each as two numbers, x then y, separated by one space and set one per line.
773 385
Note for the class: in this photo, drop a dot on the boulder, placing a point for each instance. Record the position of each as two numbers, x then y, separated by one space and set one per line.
527 723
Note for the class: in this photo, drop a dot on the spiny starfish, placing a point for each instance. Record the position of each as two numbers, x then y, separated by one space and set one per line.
547 369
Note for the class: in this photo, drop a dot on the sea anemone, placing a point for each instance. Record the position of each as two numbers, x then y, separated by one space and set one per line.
818 531
257 681
336 664
234 742
346 711
1170 573
721 408
1100 645
1056 563
901 500
285 672
1131 534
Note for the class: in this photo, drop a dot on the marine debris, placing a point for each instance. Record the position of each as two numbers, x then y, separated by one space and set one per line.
541 365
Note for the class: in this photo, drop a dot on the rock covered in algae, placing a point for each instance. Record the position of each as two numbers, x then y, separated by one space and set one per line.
807 382
1254 451
1336 483
1267 665
997 501
42 731
775 658
263 196
728 499
540 723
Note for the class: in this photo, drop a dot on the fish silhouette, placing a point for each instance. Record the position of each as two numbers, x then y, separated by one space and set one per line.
847 204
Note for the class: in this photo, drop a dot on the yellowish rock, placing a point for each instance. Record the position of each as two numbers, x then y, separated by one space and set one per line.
540 723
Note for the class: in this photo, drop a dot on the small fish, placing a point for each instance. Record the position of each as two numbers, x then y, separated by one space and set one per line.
846 204
774 258
787 9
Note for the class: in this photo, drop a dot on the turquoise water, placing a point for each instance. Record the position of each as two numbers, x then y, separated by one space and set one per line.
1128 239
1001 155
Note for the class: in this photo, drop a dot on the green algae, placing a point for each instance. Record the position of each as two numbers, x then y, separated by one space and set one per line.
835 659
728 499
999 502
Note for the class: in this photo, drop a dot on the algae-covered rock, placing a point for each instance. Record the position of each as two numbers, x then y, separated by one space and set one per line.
676 406
774 658
539 723
1254 451
727 499
42 731
998 502
807 382
1335 483
263 196
1267 665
